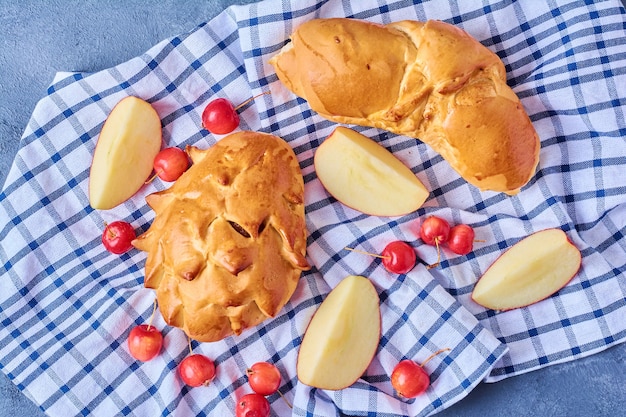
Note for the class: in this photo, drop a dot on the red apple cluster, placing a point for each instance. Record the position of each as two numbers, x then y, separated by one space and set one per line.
264 379
436 231
145 342
399 257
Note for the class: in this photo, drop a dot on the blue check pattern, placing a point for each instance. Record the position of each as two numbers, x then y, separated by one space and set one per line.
67 305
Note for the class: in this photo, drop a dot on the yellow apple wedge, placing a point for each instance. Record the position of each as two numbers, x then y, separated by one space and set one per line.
365 176
531 270
124 155
342 337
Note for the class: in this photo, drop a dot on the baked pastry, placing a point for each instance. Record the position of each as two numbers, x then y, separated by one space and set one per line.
428 80
228 242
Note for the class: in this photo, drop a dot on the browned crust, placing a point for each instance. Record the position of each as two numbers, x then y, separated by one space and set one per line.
228 242
428 80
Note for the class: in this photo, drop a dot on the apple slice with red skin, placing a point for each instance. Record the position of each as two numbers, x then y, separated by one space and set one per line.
124 154
342 337
365 176
530 271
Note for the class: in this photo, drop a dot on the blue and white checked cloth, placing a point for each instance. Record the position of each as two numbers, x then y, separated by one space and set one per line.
67 305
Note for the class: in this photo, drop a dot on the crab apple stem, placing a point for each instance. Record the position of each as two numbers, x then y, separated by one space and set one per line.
189 342
433 355
285 399
108 231
154 305
152 178
438 255
366 253
250 99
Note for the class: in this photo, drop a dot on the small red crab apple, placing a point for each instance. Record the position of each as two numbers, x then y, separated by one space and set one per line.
117 236
461 239
196 369
409 378
264 378
145 341
398 256
220 116
252 405
170 164
435 231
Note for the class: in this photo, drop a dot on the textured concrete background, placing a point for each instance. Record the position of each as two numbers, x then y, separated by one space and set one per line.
39 38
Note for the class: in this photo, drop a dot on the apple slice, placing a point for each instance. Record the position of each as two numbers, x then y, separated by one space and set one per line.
124 155
342 337
531 270
365 176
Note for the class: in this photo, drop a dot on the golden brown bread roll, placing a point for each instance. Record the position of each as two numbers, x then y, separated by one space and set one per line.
431 81
228 242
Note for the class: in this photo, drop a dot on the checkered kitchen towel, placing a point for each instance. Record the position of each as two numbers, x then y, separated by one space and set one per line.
67 305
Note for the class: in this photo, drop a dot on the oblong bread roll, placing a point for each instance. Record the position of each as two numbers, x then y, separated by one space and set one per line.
427 80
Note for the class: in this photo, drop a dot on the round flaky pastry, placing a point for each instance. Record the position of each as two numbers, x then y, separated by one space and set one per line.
228 242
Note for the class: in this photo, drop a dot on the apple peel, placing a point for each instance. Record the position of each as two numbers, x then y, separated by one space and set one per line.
342 337
532 270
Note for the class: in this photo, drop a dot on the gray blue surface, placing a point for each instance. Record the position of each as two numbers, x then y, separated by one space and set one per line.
39 38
